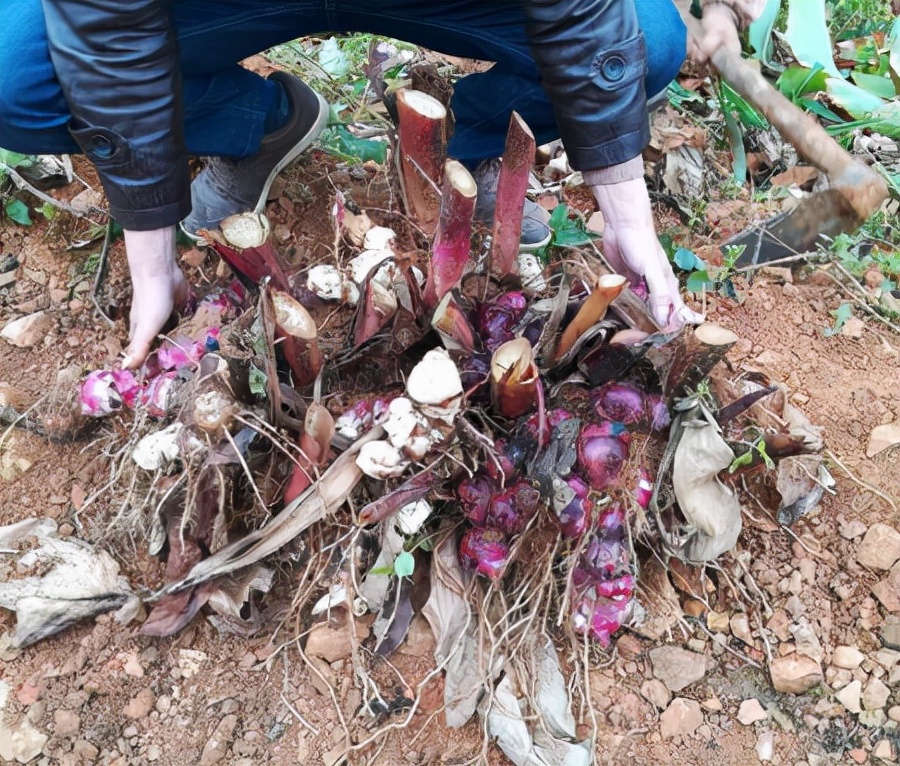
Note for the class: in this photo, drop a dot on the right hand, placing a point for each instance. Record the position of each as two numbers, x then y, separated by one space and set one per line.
158 287
719 32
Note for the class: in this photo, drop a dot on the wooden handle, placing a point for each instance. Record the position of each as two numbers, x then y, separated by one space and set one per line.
862 186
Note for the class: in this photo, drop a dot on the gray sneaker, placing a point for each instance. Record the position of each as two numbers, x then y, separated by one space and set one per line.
229 186
535 231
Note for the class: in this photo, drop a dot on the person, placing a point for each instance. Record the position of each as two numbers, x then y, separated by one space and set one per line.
140 86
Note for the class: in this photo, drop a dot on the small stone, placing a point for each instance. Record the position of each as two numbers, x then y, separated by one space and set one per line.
22 744
765 746
795 674
712 705
163 704
190 661
880 548
794 606
717 622
740 628
876 695
66 723
872 719
751 711
132 667
887 590
28 330
883 749
890 632
858 755
153 752
86 751
848 657
850 696
681 718
333 644
138 707
852 529
780 625
655 691
677 668
217 745
894 713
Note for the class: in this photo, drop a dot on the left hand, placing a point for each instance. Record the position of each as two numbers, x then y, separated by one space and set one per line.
719 32
633 249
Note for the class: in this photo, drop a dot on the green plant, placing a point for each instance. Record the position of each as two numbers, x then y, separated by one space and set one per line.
841 314
702 276
13 207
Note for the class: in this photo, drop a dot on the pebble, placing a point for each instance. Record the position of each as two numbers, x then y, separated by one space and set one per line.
890 632
795 674
681 718
894 713
153 753
751 711
740 628
880 548
883 749
132 667
847 657
217 745
27 330
163 704
765 746
712 704
876 695
333 644
858 755
66 723
850 696
655 691
86 751
677 668
22 744
138 707
717 622
190 661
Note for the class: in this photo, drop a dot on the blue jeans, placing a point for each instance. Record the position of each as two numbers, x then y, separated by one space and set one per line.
225 106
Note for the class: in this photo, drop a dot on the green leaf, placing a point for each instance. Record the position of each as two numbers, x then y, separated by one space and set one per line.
745 458
257 381
796 81
807 35
851 98
687 260
48 211
698 280
17 211
841 314
738 154
877 86
332 59
759 34
404 564
13 159
341 142
568 232
732 101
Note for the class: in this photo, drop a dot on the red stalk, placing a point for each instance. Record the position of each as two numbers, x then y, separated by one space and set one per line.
518 160
315 442
298 337
376 309
245 244
453 241
423 147
452 325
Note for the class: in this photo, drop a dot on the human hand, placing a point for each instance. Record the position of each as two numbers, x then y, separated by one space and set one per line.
719 32
158 286
632 248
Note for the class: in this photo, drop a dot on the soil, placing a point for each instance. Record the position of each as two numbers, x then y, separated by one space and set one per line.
105 694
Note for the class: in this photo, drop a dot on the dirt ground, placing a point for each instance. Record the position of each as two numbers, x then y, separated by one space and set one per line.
104 694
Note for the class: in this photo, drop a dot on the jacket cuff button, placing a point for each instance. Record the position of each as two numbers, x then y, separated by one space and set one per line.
613 68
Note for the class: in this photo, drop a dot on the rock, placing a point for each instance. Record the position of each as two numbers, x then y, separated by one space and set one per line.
894 713
28 330
22 744
190 662
740 628
887 590
850 696
858 755
154 752
852 529
138 707
655 691
217 745
717 622
86 751
876 695
133 667
883 749
713 705
751 711
806 640
765 746
780 625
853 328
333 644
682 717
66 723
795 674
677 668
890 632
872 719
883 437
880 548
847 657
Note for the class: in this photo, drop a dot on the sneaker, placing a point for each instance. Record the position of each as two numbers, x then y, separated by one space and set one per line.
535 231
229 186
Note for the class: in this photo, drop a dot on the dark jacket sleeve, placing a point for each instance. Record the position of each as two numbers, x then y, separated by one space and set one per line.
117 61
592 60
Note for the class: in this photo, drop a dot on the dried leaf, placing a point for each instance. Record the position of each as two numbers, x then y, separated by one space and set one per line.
392 624
76 581
446 610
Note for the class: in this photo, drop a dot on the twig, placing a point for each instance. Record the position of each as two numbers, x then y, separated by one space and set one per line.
299 717
856 299
102 271
875 491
